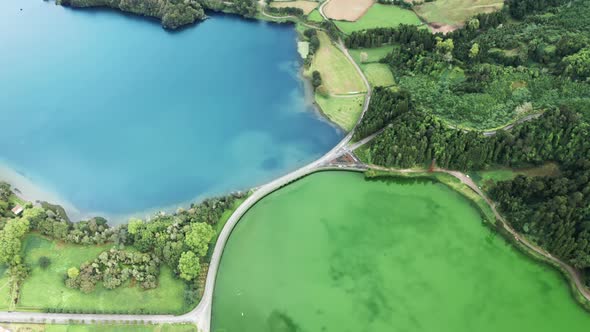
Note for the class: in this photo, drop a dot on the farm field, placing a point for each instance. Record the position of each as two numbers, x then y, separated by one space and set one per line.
455 12
97 328
343 110
45 289
306 6
338 75
347 10
380 16
315 16
370 54
378 74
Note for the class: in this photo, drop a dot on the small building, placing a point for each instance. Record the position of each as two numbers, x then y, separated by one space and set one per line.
17 210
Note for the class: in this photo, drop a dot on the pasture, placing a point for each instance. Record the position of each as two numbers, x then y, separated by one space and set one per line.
380 16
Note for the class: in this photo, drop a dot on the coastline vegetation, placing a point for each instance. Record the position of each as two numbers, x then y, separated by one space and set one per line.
172 13
151 266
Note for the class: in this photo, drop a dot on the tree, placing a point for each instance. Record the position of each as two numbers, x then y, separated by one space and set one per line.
44 262
198 238
73 272
189 265
578 65
10 240
474 51
134 225
316 79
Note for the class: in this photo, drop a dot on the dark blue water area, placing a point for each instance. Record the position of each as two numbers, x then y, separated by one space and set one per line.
117 116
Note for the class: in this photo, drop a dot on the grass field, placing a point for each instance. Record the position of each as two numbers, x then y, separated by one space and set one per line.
378 74
372 54
380 16
306 6
343 111
315 16
98 328
338 75
455 12
4 288
46 289
487 178
347 10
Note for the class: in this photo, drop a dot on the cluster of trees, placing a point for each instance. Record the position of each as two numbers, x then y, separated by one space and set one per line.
172 13
385 106
314 41
316 79
113 268
520 8
5 204
180 240
404 35
285 11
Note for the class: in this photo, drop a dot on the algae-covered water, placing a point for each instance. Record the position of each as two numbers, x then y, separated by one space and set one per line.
336 253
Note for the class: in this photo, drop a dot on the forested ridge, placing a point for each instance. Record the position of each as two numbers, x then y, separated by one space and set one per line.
537 63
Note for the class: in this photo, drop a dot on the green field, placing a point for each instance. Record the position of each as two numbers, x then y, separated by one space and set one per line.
98 328
380 16
378 74
372 54
315 16
46 289
343 111
455 12
338 74
489 177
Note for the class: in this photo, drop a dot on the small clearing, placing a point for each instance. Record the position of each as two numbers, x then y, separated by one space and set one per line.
447 15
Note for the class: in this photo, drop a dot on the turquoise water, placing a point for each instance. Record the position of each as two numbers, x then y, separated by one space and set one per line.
117 115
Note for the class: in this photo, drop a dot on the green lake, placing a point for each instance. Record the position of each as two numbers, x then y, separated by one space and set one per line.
336 253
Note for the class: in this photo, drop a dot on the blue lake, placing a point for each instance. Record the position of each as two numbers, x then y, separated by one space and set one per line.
117 116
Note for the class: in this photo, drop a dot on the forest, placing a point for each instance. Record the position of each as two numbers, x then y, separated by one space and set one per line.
539 59
172 13
180 240
494 70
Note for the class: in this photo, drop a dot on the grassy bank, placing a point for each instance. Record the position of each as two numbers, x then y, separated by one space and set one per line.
45 288
344 111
